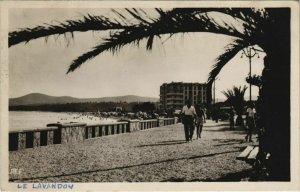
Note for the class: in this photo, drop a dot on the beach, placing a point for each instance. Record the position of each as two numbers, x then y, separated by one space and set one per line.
19 120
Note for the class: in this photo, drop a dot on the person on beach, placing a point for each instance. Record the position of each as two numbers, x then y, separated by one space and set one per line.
250 121
200 119
188 114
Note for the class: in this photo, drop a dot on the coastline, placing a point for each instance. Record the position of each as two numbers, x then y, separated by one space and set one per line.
19 120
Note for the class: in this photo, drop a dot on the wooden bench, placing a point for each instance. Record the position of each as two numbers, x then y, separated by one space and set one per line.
251 155
248 154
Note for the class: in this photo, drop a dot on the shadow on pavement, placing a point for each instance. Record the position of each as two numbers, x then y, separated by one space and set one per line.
228 140
124 167
227 128
233 143
222 142
164 143
172 141
216 125
244 175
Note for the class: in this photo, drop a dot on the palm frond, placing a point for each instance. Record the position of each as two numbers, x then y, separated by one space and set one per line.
168 23
137 16
87 23
235 98
230 51
254 80
178 20
113 44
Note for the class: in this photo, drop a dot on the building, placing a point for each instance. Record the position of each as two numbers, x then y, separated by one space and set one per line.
174 95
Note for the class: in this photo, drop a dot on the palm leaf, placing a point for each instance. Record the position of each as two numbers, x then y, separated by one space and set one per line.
230 51
113 44
168 23
178 20
254 80
88 22
235 97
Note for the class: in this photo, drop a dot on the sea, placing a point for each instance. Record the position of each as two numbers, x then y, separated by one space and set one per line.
20 120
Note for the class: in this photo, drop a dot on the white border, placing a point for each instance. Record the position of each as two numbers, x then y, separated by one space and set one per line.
240 186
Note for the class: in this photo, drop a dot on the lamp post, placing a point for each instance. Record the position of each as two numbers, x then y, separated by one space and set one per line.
250 52
215 90
215 113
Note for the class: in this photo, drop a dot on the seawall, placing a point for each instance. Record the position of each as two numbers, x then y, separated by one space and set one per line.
57 133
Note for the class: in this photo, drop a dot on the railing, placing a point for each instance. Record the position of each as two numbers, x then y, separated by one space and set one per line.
76 132
99 130
146 124
31 138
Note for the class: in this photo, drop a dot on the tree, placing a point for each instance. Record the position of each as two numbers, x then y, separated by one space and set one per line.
268 29
235 98
254 80
144 107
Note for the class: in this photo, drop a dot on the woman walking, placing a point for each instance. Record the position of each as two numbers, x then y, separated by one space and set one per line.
200 119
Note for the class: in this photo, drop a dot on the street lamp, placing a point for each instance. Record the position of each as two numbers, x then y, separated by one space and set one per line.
250 52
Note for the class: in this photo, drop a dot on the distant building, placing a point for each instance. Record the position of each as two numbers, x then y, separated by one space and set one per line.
174 95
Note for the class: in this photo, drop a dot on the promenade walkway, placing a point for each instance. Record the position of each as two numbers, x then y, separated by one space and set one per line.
157 154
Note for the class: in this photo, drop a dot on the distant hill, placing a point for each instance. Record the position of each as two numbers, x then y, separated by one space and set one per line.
38 98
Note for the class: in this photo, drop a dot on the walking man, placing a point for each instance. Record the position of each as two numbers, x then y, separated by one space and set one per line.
188 112
250 122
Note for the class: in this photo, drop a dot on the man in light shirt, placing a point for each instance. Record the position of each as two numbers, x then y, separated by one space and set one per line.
250 119
189 113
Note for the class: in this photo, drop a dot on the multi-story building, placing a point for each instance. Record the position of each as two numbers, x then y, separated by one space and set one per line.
174 95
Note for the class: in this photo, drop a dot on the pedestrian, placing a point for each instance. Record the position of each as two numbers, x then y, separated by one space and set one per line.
250 121
200 119
205 114
216 114
188 114
231 117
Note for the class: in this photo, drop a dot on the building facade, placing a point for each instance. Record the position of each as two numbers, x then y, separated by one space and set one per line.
174 95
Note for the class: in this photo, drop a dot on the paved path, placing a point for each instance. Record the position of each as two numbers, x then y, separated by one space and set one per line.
157 154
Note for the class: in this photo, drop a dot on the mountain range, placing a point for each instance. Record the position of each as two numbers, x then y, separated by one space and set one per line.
38 99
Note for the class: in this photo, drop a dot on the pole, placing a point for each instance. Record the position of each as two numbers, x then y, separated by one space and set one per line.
249 54
250 76
214 92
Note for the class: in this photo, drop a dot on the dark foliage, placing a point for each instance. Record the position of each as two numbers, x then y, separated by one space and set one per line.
75 107
87 23
144 107
254 80
235 98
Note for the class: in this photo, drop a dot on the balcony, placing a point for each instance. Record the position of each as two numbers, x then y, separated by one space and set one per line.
174 99
174 93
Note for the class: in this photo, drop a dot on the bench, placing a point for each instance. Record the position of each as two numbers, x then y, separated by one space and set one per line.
251 155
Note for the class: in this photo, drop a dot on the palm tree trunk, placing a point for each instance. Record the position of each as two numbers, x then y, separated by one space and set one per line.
276 97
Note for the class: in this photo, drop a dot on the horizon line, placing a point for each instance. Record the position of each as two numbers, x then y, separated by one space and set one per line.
82 97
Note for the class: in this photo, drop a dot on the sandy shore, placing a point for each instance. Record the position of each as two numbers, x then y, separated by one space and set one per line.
19 120
157 154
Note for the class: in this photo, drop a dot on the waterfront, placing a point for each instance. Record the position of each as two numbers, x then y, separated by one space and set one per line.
151 155
19 120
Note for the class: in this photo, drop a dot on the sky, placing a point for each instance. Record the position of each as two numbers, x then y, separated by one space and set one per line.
40 66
